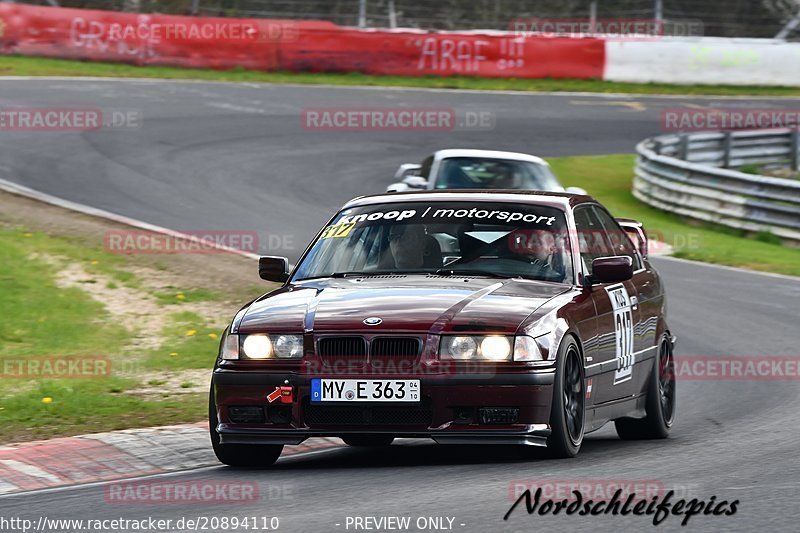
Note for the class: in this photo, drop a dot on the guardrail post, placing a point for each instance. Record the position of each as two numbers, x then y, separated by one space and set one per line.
727 145
759 201
683 147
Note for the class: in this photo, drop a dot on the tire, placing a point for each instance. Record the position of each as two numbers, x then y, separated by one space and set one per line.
660 406
242 455
368 440
568 410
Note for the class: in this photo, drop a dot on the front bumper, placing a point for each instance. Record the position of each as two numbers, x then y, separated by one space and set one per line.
448 413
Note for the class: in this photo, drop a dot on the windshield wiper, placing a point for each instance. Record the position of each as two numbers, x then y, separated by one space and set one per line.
334 275
470 272
345 274
354 273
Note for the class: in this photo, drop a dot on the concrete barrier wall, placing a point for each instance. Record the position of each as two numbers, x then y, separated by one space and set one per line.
318 46
298 46
713 61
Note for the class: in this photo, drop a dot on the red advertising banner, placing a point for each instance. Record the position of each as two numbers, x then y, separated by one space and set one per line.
298 46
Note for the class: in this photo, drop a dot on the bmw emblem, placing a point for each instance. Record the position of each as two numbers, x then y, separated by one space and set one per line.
372 321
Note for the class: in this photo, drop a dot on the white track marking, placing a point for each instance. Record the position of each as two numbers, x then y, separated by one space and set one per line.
30 470
62 488
748 98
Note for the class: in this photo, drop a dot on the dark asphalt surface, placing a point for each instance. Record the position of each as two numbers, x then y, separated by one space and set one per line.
235 157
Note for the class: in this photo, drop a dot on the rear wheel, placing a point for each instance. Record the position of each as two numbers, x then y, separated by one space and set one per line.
568 411
246 455
660 405
368 440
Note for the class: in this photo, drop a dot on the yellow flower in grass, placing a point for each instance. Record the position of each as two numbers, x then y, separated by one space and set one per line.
173 354
191 333
180 296
212 335
47 399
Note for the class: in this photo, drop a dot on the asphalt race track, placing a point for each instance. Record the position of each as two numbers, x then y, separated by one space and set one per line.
236 157
215 156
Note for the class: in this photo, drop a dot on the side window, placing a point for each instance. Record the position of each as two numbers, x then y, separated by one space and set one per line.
620 241
592 238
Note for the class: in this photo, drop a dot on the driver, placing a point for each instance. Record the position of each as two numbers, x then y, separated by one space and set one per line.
537 245
407 243
504 176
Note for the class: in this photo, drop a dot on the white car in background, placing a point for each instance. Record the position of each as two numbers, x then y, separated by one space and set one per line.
479 169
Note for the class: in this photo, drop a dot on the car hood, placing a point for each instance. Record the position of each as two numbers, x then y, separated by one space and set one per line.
432 304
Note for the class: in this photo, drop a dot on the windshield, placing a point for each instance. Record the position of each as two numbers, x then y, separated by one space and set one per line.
443 238
486 173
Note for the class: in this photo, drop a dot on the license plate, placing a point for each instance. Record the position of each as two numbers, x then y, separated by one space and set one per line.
364 390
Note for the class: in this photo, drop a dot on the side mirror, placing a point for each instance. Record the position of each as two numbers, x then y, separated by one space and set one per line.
272 268
635 231
407 169
397 187
612 269
416 182
576 190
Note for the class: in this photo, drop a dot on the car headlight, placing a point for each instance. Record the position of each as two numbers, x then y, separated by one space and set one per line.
288 346
491 348
526 349
260 346
496 348
461 347
257 346
230 348
471 347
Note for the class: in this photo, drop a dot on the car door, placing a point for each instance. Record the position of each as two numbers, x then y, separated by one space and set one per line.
613 317
631 320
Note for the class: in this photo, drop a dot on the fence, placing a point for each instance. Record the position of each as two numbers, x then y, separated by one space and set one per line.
687 174
722 18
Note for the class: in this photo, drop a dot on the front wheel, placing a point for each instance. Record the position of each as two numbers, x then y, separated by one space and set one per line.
243 455
368 440
660 406
568 410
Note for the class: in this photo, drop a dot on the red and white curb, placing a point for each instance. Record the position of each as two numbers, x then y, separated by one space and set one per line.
117 455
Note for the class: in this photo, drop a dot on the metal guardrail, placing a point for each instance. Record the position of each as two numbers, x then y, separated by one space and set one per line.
690 175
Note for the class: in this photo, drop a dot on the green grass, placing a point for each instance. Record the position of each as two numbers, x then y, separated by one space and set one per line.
608 178
87 406
182 297
32 66
48 320
42 320
187 345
